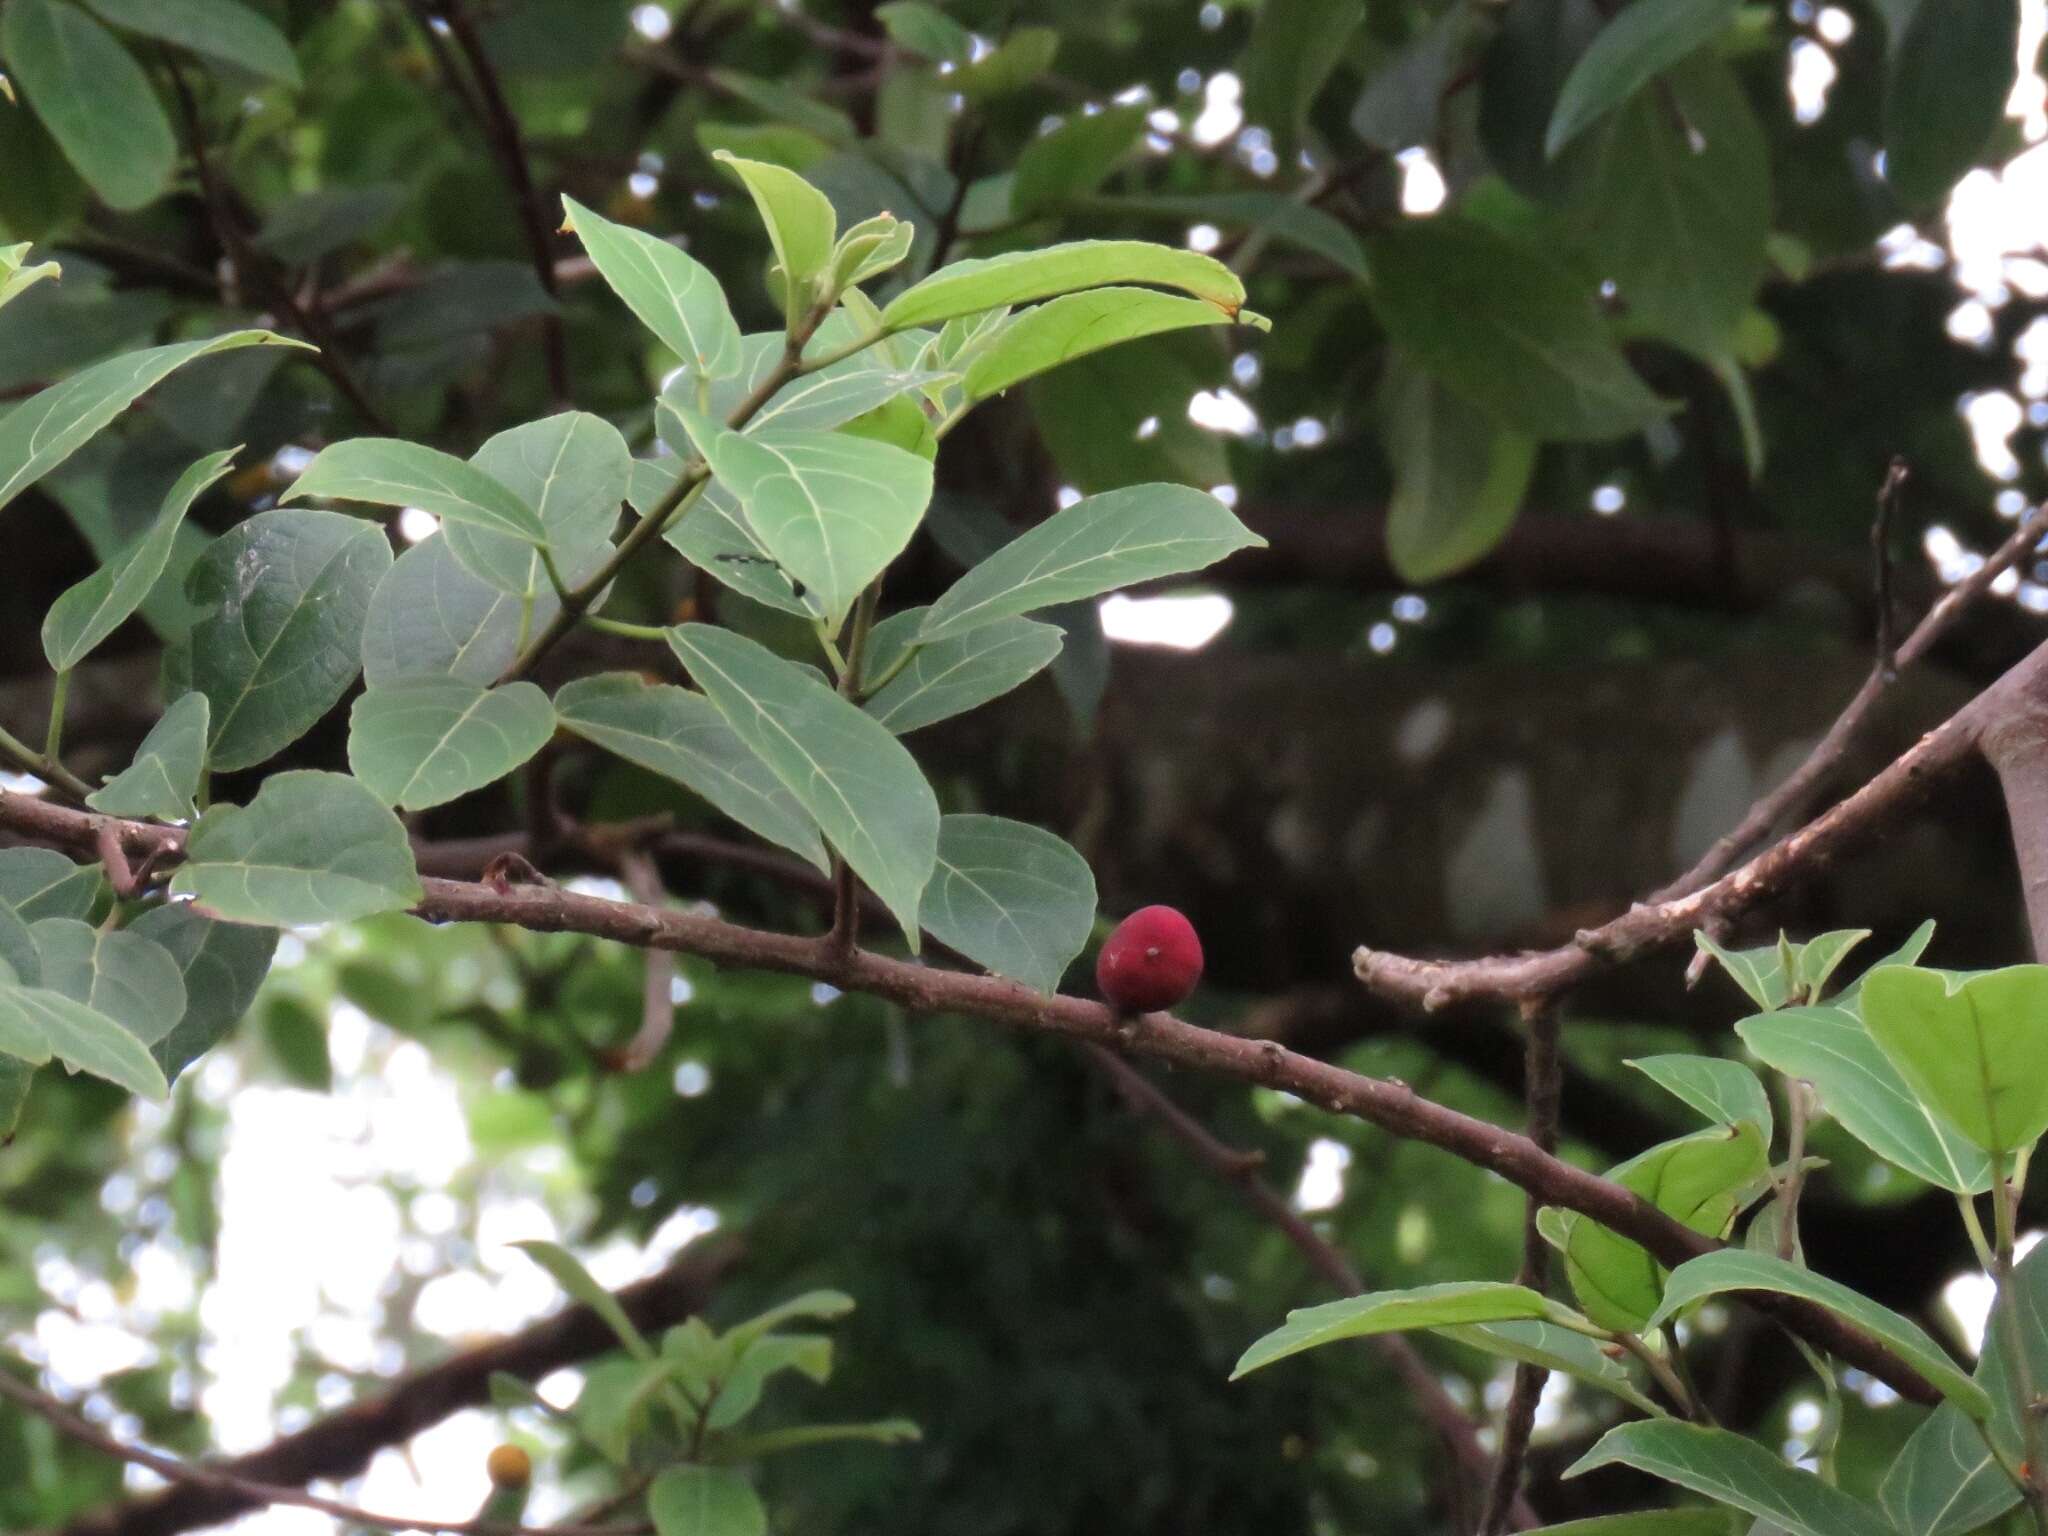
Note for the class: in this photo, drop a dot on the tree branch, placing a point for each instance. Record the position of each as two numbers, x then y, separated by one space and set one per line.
341 1445
1389 1104
1434 984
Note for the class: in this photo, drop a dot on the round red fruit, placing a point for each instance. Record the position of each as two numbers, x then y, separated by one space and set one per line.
1152 961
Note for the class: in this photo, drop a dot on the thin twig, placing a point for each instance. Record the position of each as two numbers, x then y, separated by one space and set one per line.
1881 563
657 1001
1543 1095
61 1418
1240 1171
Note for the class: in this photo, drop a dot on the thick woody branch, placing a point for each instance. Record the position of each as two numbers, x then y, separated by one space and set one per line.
2015 741
1387 1103
340 1446
1849 825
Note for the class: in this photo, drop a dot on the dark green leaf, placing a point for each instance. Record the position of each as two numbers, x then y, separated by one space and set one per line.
1074 158
1636 46
125 975
39 883
1459 479
216 29
1423 1306
1011 897
1951 73
390 472
424 741
37 1024
223 965
950 677
1732 1470
94 99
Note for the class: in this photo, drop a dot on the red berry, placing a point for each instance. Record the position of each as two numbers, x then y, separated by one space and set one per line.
1152 961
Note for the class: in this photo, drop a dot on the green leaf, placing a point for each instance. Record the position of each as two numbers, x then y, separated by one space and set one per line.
1734 1270
1829 1047
673 294
869 249
389 472
16 279
1950 75
1422 1306
215 29
819 401
1501 321
1636 46
854 778
802 1436
800 222
571 1276
1699 1180
1554 1348
825 1306
572 470
1694 1520
681 736
832 510
1076 324
1759 972
431 616
761 1360
1726 1092
45 430
1018 277
714 536
705 1501
1458 478
288 592
300 230
93 609
163 781
1016 63
1945 1479
40 882
1074 158
1274 214
1728 1468
926 30
1403 99
1673 199
310 848
93 97
1011 897
1098 544
1295 44
37 1024
20 960
223 965
1906 954
126 976
1971 1047
427 740
949 677
1819 957
1091 414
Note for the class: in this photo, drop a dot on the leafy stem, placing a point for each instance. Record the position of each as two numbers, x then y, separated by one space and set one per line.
2004 1203
43 766
60 692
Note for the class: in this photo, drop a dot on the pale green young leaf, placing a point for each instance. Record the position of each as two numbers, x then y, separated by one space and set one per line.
1018 277
819 401
1011 897
1857 1084
40 882
1733 1470
1136 534
1734 1270
822 1306
832 510
311 847
224 30
705 1501
16 278
1699 1180
568 1272
854 778
114 971
1971 1047
1820 956
761 1361
93 609
682 736
800 223
93 97
1632 49
1075 324
223 965
288 592
1759 972
1726 1092
951 676
673 294
1907 953
1422 1306
1459 478
37 1024
869 249
424 741
571 469
46 429
390 472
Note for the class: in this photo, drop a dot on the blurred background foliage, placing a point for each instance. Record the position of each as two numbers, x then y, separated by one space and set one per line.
1446 709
